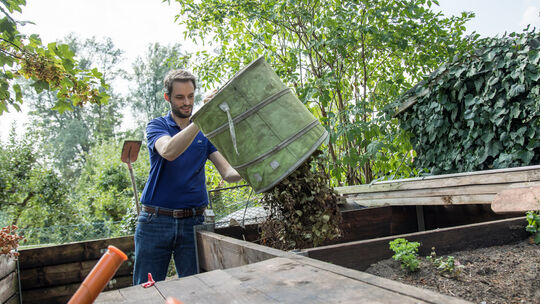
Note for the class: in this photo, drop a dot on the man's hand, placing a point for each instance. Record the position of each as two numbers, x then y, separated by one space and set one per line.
210 96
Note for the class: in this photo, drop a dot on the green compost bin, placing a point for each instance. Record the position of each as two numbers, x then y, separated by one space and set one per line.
260 126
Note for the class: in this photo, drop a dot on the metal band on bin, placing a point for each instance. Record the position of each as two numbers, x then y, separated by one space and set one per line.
280 146
248 113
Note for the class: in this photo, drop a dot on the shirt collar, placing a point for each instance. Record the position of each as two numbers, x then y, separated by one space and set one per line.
171 121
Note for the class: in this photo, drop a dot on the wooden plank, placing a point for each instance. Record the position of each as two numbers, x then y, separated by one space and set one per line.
498 176
447 191
13 300
211 287
8 287
295 280
7 265
74 252
359 255
517 200
390 285
219 252
64 274
133 294
431 200
62 293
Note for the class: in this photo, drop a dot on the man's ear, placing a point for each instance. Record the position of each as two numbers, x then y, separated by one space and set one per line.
166 96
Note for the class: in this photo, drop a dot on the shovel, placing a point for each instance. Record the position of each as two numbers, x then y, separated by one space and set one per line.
517 200
130 151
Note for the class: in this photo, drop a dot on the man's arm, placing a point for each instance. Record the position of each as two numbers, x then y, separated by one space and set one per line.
225 169
171 147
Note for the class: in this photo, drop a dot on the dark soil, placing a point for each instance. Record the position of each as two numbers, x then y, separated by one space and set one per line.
500 274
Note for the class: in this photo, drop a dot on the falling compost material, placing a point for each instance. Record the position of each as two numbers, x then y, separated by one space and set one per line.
303 209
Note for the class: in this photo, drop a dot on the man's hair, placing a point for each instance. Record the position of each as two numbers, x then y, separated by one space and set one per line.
177 75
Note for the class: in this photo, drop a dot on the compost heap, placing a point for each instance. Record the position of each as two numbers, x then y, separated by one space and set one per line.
303 211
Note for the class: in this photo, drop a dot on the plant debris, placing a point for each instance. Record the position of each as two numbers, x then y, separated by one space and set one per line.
303 209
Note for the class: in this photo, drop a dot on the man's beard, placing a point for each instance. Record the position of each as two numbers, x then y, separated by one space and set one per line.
176 111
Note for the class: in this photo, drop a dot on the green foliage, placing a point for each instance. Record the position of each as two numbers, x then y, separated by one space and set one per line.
345 61
449 266
481 110
50 67
533 225
67 136
146 99
406 253
30 193
104 191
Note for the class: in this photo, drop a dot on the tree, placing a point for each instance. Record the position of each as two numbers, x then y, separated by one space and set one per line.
147 97
67 136
346 60
50 67
30 193
104 191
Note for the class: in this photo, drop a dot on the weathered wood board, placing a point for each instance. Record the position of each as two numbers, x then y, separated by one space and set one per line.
292 279
8 279
478 187
517 200
359 255
53 274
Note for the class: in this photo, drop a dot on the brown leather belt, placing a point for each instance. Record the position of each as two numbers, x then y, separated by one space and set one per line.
176 213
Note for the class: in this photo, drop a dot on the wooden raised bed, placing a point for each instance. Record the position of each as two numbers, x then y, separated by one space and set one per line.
243 272
360 254
53 274
9 292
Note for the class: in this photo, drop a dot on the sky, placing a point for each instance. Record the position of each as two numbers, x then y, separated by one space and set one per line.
133 24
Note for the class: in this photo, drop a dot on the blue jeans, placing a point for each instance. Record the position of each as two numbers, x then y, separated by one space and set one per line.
159 236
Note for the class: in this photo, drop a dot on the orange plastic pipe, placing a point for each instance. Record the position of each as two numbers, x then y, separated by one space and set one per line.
100 275
172 300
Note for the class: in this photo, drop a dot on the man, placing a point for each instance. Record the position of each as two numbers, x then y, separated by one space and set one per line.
175 195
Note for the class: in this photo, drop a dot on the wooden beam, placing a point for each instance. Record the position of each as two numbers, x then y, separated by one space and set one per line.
498 176
74 252
430 200
442 191
8 287
64 274
220 252
7 265
359 255
62 293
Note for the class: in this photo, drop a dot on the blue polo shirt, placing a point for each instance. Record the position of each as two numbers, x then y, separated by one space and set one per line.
179 183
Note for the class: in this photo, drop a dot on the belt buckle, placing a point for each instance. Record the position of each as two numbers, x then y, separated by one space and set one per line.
178 213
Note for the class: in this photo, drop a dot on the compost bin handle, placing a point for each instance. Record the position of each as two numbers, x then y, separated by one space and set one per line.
225 108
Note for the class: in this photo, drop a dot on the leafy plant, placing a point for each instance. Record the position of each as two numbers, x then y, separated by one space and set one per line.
50 67
9 240
533 226
479 111
406 252
449 266
345 60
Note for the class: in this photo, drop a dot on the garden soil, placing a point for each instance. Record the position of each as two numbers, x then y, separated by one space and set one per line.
500 274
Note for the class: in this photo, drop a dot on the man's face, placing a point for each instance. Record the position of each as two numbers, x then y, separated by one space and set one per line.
182 98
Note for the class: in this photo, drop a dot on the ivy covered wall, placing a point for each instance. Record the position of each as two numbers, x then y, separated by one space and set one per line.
481 111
